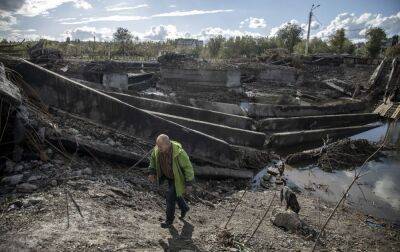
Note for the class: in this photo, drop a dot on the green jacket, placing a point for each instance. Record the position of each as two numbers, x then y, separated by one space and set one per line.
181 167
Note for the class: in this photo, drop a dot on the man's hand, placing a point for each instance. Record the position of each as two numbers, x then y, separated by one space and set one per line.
189 189
152 178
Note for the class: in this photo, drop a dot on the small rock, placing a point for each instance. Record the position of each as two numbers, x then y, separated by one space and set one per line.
12 180
32 201
53 182
26 188
74 131
15 205
77 173
46 166
273 170
9 166
34 178
290 221
286 219
110 141
18 168
49 152
87 171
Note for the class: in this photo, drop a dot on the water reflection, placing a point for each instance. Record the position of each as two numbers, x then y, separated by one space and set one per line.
377 193
386 189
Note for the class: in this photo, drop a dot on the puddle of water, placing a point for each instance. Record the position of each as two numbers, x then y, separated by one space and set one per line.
379 195
380 187
378 134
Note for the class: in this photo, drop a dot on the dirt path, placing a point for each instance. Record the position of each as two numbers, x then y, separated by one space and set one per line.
122 211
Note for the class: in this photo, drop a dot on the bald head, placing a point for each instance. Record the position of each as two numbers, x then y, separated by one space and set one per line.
163 143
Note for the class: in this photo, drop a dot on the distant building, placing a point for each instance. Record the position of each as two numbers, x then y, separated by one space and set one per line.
188 43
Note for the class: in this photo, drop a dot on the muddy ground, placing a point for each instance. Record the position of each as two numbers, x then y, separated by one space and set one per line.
122 211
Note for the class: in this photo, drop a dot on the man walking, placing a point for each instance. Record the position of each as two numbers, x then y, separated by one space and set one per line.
170 162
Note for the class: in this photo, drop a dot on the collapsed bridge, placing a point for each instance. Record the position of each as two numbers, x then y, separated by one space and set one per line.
222 138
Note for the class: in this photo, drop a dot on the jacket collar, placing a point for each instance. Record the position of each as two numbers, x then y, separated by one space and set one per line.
176 148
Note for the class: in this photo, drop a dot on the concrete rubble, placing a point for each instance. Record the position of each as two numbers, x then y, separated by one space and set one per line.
75 127
221 128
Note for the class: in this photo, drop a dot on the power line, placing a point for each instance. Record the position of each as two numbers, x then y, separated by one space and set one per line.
317 20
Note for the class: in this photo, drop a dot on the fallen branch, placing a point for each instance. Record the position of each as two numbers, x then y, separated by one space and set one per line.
262 219
75 204
234 210
66 202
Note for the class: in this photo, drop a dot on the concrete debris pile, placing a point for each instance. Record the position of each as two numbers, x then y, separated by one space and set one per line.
28 176
119 75
39 54
274 176
175 58
87 119
233 127
344 154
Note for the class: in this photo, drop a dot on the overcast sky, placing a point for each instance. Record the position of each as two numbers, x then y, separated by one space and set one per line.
163 19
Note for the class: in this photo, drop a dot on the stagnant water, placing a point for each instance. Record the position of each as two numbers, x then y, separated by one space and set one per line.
378 192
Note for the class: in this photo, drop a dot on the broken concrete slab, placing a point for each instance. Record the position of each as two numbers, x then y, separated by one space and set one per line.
115 81
282 139
124 81
338 85
199 79
376 77
393 83
140 81
227 108
223 107
102 150
234 121
257 110
139 77
58 91
271 125
231 135
93 71
279 74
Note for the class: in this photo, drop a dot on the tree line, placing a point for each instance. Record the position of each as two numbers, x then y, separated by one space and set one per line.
125 45
290 38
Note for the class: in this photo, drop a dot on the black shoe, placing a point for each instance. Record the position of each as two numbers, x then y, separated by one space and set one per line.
184 212
166 224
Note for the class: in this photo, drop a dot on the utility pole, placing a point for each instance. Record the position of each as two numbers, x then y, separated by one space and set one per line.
313 7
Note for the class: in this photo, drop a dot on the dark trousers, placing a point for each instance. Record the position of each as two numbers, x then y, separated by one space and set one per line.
171 199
